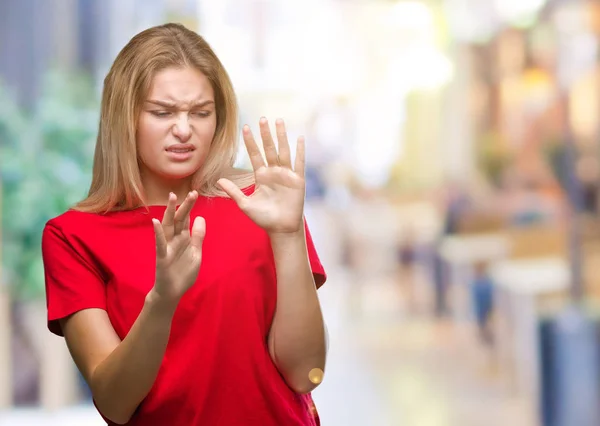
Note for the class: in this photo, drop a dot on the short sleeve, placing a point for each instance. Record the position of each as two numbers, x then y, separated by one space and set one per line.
72 281
315 263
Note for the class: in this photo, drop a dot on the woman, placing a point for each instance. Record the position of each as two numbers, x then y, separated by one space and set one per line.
205 314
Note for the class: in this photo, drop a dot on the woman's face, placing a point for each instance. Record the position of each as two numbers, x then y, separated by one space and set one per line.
176 125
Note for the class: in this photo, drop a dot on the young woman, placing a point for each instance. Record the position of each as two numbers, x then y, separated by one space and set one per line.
201 314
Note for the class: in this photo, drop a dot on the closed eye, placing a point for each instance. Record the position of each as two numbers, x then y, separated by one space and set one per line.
161 113
202 114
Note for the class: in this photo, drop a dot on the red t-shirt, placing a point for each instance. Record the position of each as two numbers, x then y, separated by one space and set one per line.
216 369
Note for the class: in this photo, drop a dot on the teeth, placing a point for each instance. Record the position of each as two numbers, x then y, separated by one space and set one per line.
180 151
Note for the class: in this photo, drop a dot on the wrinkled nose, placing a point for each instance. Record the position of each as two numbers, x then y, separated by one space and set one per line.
182 129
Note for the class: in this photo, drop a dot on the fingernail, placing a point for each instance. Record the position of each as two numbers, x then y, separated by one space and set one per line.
263 120
246 128
279 121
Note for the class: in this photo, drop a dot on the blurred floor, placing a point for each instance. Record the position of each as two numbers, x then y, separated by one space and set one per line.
390 363
387 368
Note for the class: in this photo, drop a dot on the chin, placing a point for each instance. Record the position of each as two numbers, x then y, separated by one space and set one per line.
178 173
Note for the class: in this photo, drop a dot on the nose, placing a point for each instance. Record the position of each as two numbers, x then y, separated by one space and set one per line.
182 129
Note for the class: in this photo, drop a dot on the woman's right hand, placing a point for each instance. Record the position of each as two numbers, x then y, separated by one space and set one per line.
178 251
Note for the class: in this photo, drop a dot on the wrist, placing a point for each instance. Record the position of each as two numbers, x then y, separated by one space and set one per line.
285 243
161 305
277 237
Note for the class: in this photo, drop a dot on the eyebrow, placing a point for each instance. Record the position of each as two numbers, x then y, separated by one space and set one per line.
168 104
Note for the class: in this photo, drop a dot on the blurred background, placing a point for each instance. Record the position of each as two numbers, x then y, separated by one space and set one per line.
453 170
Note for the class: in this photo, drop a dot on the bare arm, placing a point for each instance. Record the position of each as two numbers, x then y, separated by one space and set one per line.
297 340
120 374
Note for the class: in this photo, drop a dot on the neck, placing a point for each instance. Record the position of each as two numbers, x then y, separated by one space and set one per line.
157 190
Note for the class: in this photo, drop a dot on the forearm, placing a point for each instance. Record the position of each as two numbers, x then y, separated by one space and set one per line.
297 337
124 378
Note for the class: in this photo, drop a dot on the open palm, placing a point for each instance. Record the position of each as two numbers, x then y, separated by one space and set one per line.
178 250
277 203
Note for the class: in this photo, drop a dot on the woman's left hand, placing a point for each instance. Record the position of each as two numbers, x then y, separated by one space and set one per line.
277 204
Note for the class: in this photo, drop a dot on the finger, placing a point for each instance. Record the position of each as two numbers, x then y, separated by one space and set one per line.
233 191
186 223
198 232
182 216
159 236
268 143
285 159
169 217
300 164
256 157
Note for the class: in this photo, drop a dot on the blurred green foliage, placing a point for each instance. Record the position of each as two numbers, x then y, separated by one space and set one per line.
45 167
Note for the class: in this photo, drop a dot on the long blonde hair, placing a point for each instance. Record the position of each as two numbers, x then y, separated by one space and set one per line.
116 182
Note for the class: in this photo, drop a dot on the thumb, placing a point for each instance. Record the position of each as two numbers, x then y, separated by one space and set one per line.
198 232
232 190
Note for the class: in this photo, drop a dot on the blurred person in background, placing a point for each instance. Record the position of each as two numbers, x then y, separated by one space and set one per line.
406 253
455 204
482 296
201 314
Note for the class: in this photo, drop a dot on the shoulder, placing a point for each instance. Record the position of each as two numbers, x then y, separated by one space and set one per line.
75 223
67 221
66 237
71 220
61 231
91 235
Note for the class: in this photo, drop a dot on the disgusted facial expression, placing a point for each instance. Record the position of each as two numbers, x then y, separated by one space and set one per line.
176 125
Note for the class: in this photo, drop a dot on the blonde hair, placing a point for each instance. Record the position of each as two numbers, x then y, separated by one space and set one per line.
116 181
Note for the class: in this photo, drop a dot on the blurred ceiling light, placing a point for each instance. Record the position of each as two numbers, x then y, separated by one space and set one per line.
415 62
379 122
478 20
410 14
516 11
471 20
421 67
